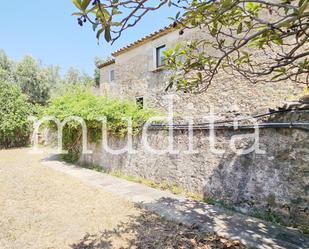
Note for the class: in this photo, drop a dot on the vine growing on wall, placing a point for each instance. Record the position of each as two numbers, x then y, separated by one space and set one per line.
90 107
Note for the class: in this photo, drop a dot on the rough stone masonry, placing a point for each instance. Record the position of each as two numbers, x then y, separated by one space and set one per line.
277 180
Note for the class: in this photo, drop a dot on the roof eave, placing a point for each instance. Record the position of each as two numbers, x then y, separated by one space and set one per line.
145 39
106 63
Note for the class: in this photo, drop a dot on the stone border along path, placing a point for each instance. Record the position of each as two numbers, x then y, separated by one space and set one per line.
250 231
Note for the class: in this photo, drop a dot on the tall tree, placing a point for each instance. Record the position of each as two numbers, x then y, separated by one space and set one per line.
239 31
32 80
74 77
14 113
6 67
97 61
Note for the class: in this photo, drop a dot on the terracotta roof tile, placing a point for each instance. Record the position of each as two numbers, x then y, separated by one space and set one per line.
151 36
106 63
146 38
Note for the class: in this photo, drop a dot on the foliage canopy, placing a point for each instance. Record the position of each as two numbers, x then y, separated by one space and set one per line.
14 113
83 103
38 81
33 80
6 67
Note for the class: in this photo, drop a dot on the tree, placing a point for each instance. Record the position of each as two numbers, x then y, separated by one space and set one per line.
74 77
39 81
14 113
33 80
97 61
6 66
240 31
52 73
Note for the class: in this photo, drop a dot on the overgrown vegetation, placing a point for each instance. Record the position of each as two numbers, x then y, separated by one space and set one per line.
268 215
27 85
91 108
38 81
14 112
34 80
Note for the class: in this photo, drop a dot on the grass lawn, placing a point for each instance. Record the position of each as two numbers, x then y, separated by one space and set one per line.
41 208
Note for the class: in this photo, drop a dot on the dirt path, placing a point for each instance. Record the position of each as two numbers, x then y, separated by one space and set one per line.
42 208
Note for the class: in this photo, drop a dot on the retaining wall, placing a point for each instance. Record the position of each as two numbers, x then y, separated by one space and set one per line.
278 179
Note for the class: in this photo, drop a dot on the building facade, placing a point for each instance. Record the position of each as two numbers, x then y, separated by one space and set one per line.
276 180
135 72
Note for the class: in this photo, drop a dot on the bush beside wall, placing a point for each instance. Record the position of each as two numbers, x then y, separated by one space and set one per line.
14 113
84 104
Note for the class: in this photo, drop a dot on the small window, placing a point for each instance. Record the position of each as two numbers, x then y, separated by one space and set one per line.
111 75
160 56
140 102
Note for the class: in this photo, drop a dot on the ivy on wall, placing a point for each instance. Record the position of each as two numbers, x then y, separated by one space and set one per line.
90 107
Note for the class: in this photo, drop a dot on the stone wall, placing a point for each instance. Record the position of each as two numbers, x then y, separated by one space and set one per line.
136 76
278 179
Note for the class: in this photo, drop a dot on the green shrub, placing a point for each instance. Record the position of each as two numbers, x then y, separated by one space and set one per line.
14 113
85 104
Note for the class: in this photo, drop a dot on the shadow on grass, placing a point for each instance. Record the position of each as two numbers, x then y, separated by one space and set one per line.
149 231
226 223
197 217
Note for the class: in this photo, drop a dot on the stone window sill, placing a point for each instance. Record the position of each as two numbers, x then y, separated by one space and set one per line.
158 69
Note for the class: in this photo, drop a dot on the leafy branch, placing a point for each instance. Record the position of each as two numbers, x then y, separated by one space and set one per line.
263 41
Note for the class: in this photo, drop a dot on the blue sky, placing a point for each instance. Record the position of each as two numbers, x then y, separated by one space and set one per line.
47 31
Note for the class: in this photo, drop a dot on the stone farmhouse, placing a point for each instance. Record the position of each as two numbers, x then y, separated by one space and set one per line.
277 178
136 72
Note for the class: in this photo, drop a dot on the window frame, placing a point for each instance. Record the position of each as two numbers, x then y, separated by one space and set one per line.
110 73
158 57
